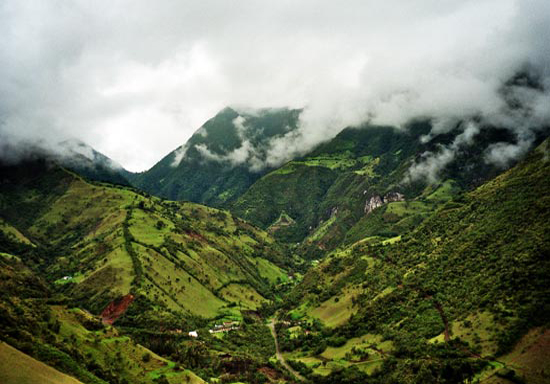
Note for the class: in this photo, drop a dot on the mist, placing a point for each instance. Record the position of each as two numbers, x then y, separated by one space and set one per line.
135 79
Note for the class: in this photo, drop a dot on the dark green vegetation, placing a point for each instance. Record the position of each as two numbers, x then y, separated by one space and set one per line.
453 296
326 193
215 166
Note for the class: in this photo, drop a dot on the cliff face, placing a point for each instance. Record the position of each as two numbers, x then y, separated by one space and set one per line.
377 201
374 202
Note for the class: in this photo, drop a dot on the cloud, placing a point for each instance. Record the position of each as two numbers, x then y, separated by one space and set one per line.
135 79
179 155
432 164
502 154
246 154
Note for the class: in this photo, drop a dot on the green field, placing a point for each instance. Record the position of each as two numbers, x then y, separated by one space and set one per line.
336 310
19 368
478 330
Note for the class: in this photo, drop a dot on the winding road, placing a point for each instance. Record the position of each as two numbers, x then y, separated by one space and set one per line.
280 356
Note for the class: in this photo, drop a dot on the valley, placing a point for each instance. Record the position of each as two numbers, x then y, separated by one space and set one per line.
329 268
275 192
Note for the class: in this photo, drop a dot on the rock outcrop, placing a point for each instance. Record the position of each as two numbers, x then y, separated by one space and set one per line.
373 203
377 201
393 196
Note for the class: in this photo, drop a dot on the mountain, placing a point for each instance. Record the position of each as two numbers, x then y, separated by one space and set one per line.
464 293
320 200
362 184
86 161
378 257
113 241
73 154
77 256
329 181
221 160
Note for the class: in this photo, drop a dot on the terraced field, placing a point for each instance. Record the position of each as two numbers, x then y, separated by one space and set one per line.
112 241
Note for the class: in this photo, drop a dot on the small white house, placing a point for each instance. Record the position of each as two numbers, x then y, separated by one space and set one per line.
193 334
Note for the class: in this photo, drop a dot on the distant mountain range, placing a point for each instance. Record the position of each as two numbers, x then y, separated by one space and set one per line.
318 200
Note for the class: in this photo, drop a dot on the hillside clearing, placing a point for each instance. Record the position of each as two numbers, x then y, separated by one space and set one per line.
17 367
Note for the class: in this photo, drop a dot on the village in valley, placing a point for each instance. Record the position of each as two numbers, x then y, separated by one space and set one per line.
226 326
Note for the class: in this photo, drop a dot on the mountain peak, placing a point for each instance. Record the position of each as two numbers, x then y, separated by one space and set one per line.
222 158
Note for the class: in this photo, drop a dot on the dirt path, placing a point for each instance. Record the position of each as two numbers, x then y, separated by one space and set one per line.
439 309
280 356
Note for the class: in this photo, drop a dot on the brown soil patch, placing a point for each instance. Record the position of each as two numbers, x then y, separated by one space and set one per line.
271 374
116 308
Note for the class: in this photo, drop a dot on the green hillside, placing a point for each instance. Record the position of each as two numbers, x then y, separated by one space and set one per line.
107 242
221 160
327 193
463 294
330 182
38 322
17 367
75 253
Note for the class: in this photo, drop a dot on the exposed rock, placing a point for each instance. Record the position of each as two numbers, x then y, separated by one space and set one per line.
393 196
373 203
377 201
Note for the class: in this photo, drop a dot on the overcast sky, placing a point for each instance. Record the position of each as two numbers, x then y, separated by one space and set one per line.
135 79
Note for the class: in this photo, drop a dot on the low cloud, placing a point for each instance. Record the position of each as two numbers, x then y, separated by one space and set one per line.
179 155
432 164
503 154
245 154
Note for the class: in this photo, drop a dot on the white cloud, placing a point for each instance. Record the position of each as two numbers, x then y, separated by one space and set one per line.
432 164
134 79
502 154
246 154
179 154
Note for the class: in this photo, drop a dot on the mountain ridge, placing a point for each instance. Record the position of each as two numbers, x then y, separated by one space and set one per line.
223 158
